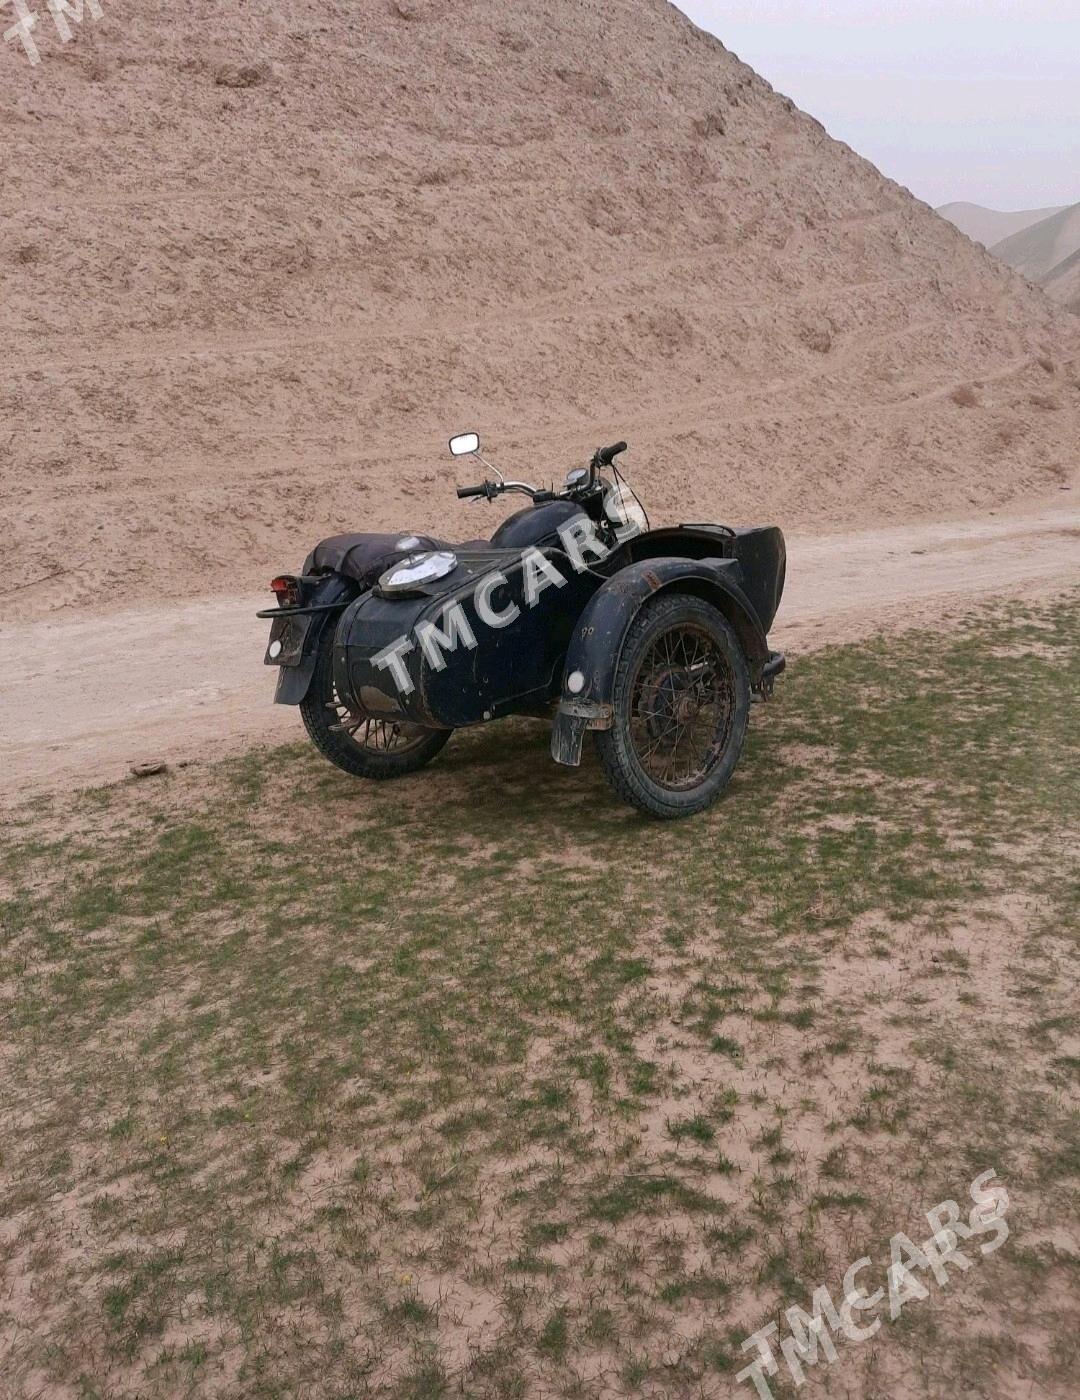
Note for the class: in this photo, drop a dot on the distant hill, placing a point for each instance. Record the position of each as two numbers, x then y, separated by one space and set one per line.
1063 283
1039 251
990 226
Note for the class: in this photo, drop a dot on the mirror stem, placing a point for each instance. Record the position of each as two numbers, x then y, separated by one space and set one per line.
490 465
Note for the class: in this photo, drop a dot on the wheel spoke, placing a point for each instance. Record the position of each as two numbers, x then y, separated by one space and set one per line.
377 735
681 708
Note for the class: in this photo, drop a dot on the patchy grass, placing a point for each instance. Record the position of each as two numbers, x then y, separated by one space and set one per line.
478 1084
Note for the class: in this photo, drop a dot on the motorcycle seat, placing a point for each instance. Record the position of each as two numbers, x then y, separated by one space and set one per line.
365 557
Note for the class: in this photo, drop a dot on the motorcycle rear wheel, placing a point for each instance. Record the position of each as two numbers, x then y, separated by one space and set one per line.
681 702
367 747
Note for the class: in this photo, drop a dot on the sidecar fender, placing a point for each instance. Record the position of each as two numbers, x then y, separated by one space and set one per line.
593 655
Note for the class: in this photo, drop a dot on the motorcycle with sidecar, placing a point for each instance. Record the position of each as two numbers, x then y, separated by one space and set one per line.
574 610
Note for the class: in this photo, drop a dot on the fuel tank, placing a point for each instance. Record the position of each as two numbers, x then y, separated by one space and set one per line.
535 525
487 640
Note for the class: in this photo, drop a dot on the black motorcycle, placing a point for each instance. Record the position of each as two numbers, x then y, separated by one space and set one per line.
574 610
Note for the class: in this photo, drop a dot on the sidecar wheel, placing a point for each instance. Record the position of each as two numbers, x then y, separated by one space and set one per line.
681 701
374 748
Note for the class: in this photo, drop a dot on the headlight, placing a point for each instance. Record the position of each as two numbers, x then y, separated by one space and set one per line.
417 569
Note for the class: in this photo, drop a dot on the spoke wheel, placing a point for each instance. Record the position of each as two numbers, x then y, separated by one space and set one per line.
376 736
682 707
681 703
363 745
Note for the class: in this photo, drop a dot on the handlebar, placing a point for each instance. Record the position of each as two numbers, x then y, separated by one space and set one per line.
606 455
603 457
491 489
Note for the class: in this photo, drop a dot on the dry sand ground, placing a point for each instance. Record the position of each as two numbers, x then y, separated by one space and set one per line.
187 684
478 1085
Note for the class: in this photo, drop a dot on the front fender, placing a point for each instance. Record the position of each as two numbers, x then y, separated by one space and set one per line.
596 646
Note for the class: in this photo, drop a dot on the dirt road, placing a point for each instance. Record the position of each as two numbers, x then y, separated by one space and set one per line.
83 700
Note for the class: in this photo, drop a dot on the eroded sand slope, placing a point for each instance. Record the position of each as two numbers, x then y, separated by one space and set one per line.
243 308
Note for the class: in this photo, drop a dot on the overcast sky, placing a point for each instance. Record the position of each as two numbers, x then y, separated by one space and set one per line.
957 99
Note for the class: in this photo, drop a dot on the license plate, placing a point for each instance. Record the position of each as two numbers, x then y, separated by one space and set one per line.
291 633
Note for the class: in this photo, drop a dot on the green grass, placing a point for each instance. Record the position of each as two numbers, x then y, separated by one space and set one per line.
474 1083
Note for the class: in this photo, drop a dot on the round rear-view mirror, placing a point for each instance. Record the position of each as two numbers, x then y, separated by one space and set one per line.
465 443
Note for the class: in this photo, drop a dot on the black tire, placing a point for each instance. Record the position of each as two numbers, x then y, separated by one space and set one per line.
668 695
376 748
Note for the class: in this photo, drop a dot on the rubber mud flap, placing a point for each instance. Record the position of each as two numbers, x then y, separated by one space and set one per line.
567 736
293 681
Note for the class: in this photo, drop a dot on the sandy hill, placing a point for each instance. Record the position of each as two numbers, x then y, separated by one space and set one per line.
1063 282
1039 251
990 226
258 263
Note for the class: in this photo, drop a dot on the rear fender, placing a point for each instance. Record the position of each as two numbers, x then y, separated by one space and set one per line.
333 593
596 646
